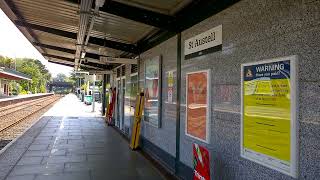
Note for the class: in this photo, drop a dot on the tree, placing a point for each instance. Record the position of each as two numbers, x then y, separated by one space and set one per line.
15 88
40 75
72 78
63 78
60 78
7 62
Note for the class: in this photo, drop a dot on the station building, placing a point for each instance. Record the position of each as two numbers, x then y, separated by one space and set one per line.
217 74
7 75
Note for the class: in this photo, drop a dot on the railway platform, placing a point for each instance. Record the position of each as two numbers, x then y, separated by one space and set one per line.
70 142
7 100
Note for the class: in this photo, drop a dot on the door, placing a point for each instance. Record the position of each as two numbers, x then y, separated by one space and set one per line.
5 89
121 87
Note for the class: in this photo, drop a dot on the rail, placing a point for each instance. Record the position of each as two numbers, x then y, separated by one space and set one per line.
18 99
11 118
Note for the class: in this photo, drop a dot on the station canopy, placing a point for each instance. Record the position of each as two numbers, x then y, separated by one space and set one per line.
102 34
10 74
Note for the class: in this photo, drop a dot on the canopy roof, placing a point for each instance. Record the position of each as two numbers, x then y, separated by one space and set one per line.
115 28
10 74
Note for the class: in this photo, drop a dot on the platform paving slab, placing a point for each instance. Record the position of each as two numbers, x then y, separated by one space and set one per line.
67 147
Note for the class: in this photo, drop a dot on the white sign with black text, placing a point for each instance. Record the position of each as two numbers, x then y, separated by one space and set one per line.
206 40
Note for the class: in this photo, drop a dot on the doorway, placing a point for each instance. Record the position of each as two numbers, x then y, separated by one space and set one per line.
121 87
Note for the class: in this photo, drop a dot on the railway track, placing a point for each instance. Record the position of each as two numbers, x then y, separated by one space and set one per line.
13 122
4 111
20 103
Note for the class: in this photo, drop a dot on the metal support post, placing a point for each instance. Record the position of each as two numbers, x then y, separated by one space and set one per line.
177 160
93 88
104 84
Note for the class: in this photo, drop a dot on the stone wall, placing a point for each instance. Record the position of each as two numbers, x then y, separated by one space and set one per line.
255 30
163 137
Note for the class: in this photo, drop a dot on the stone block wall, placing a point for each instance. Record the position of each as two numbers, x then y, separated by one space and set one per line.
255 30
163 137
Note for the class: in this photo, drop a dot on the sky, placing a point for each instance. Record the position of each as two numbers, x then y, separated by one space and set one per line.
13 44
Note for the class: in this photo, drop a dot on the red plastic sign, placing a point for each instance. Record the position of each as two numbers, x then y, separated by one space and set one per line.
201 163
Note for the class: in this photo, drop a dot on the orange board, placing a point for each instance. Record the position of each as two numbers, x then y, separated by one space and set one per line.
197 105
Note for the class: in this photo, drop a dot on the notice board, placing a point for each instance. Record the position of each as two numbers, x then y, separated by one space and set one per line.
153 91
268 113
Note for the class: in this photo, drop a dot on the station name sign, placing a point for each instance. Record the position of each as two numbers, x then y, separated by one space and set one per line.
204 43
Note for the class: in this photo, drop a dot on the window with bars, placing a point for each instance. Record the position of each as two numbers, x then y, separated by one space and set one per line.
123 70
134 68
118 72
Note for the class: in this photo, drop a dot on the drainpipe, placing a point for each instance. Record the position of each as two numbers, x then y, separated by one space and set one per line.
85 9
98 4
177 160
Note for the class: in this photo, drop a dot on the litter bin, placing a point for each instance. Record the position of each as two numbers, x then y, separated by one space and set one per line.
88 99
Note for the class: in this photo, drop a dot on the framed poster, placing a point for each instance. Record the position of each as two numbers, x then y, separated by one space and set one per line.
170 86
269 113
197 105
152 85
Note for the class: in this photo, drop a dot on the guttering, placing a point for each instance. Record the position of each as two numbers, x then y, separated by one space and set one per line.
85 9
98 4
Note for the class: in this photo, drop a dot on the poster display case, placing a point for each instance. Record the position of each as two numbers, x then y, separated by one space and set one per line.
269 113
152 85
197 105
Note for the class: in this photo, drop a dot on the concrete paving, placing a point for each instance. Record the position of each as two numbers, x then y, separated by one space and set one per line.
71 143
70 106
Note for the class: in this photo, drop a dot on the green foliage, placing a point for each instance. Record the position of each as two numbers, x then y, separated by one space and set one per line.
40 75
63 78
60 78
84 86
43 88
7 62
15 88
72 79
62 91
24 92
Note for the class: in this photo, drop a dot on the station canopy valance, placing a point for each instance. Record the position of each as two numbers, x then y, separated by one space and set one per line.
102 34
10 74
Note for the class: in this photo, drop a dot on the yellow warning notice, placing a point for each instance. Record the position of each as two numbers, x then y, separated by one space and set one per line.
267 119
266 110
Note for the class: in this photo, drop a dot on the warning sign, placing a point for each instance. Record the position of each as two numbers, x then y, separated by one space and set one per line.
268 113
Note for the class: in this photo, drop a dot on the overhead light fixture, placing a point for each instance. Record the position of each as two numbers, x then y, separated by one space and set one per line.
100 3
83 54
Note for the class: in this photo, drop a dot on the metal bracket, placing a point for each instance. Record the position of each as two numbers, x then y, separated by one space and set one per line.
92 13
